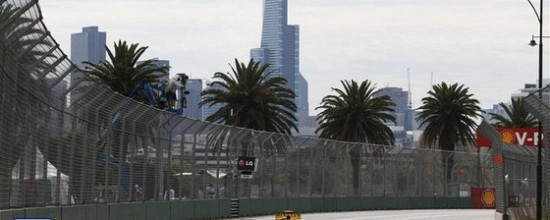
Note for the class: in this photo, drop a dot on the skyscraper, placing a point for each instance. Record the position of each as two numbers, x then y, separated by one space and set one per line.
208 110
301 100
280 47
88 45
401 100
194 86
403 114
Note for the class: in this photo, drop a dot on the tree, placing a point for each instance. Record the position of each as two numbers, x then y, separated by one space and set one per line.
449 113
123 73
252 99
516 115
24 65
356 114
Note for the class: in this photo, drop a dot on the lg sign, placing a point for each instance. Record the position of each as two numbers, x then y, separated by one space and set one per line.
246 163
519 136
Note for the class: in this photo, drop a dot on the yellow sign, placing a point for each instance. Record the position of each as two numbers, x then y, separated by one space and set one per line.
488 197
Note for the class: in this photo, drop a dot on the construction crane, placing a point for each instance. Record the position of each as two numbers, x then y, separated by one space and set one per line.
160 95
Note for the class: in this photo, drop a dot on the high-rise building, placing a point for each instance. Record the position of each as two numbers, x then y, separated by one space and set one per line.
208 110
402 113
58 100
401 100
88 45
193 111
280 48
273 33
302 103
162 77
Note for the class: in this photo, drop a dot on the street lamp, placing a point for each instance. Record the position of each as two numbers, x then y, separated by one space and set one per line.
539 151
533 42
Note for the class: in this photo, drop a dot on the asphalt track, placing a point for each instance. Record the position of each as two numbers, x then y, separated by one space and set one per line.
432 214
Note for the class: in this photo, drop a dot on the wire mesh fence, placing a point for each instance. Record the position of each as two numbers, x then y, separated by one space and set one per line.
538 104
65 140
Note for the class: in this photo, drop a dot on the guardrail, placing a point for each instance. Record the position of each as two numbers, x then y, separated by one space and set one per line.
213 208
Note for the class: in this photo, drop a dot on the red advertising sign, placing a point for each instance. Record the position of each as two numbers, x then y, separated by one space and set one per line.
519 136
483 198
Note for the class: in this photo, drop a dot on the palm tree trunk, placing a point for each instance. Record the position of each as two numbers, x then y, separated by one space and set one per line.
447 158
248 150
355 160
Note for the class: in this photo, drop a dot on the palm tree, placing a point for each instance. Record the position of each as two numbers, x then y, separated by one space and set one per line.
123 73
516 115
356 114
251 99
24 64
449 113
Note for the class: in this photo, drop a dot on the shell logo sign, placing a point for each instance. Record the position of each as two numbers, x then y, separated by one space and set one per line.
488 197
508 136
518 136
483 198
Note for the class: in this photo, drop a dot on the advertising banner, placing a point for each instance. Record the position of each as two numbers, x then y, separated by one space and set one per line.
518 136
483 198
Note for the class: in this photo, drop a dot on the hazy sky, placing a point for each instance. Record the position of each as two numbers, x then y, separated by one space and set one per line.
481 44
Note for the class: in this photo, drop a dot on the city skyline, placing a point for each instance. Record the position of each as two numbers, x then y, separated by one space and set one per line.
482 45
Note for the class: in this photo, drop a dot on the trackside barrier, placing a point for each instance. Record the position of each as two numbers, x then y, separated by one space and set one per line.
198 209
209 209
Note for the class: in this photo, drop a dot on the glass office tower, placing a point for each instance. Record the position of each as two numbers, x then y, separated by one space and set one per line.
280 47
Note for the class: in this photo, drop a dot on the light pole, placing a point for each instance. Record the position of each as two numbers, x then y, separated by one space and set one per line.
539 150
533 42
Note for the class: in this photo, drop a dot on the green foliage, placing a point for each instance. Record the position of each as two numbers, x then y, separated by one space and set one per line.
449 113
252 99
123 73
356 114
516 115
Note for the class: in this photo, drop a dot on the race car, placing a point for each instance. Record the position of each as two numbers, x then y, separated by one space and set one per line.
288 215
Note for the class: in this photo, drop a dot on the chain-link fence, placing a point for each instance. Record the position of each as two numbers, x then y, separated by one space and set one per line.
538 104
67 140
514 173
